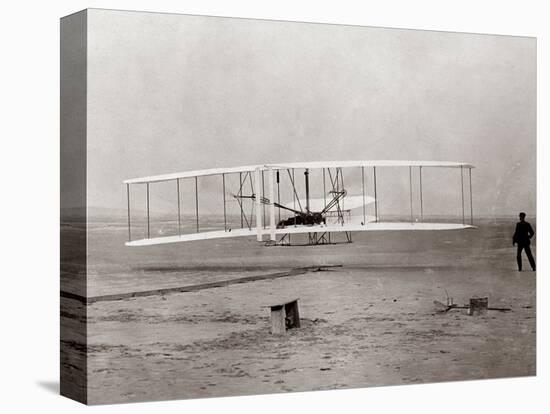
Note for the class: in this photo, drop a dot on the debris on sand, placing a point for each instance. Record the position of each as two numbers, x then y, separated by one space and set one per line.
319 320
284 316
478 306
442 308
472 309
500 309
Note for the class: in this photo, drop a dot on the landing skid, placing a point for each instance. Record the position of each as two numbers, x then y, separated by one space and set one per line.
313 239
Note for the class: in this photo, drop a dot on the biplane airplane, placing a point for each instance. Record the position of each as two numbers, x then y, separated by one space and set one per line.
259 189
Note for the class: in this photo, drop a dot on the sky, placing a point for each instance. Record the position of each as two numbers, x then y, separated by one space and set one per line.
168 93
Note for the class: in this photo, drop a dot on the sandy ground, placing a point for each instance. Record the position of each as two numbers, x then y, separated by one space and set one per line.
371 322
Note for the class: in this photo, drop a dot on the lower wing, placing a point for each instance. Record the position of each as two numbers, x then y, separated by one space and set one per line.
329 228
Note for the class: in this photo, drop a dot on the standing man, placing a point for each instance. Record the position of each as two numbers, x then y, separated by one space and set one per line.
522 237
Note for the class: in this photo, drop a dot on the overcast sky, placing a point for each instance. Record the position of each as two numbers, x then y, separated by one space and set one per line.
171 93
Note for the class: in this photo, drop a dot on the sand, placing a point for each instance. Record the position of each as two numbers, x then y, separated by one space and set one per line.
370 322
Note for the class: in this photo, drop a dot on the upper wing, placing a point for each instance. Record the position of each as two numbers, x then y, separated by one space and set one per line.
311 164
190 174
370 163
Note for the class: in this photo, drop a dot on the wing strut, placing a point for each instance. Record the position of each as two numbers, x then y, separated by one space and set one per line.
128 197
240 193
179 207
197 201
271 194
471 200
343 189
148 227
336 190
263 196
224 207
363 188
375 197
411 192
253 192
278 195
421 201
324 188
258 206
239 197
306 175
462 191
